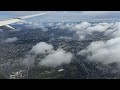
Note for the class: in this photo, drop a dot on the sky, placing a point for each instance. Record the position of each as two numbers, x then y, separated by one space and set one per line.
62 15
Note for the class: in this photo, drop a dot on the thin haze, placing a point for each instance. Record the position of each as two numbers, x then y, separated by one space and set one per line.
58 16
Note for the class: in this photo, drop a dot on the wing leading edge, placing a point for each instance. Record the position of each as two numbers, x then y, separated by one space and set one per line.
5 23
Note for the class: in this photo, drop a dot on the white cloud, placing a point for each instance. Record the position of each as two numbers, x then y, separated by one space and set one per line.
65 26
11 39
81 37
98 28
42 48
114 31
83 29
52 57
57 58
105 52
35 25
82 26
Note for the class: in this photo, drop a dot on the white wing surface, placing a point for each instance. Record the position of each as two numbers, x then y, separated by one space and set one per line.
5 23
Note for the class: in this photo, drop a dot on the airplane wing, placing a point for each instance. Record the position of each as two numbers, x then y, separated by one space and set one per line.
5 23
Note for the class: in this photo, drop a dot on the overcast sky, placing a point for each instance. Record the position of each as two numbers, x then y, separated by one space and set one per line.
62 15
